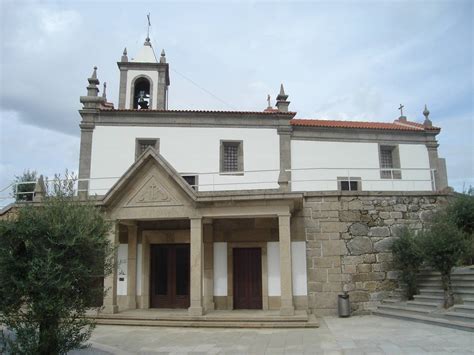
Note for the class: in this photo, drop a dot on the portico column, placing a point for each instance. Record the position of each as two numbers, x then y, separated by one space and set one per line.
196 240
132 267
286 307
110 282
208 265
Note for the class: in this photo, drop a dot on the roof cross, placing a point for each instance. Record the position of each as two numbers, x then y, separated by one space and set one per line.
268 100
401 110
148 30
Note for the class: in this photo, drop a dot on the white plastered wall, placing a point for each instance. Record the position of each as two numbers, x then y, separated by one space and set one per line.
220 269
188 150
122 262
132 74
354 159
298 265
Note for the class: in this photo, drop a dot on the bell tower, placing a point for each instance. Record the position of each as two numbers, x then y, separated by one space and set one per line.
144 80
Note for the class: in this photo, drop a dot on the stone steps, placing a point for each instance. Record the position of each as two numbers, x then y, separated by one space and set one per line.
463 308
464 317
427 298
401 307
468 301
451 323
432 306
310 322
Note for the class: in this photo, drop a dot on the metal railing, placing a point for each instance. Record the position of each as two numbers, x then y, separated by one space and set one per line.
384 175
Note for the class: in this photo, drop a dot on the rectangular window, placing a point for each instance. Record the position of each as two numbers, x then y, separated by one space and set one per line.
389 162
349 184
231 157
141 144
191 180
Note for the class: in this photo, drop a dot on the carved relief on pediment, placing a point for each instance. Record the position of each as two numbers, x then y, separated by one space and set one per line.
152 193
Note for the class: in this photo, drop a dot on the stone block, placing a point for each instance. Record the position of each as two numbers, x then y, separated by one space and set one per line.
379 232
359 296
332 287
352 260
349 269
384 257
315 286
348 287
384 215
333 247
324 300
349 216
360 245
335 277
331 226
325 215
330 206
426 216
364 268
317 275
396 215
393 275
369 258
384 244
396 230
400 208
327 261
359 229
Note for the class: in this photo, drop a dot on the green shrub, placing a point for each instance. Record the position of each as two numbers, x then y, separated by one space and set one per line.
461 213
24 192
444 246
51 257
408 259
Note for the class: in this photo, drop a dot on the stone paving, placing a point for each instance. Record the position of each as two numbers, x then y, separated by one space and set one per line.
355 335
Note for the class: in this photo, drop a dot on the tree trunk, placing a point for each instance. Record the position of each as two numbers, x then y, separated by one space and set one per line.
448 291
48 341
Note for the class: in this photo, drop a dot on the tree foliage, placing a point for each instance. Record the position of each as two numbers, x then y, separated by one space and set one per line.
51 257
408 258
444 245
22 191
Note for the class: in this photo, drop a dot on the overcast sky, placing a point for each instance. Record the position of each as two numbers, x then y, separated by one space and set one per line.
350 60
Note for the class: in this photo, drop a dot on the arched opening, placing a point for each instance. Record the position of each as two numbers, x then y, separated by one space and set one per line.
141 94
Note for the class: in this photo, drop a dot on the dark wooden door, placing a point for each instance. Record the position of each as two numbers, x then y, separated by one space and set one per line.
169 281
247 264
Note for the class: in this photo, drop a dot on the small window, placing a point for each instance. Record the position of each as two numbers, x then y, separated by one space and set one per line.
349 184
141 144
191 180
389 162
231 157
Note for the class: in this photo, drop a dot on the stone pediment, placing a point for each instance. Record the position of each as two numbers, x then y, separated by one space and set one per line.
150 182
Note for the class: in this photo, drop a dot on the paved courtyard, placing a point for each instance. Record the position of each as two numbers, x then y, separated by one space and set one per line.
355 335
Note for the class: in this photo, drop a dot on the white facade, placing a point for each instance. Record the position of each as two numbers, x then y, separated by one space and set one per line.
190 150
316 166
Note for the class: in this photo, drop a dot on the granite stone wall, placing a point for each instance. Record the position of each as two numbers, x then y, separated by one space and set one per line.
348 244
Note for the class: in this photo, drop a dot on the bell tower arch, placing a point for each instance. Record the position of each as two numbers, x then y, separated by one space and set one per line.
144 80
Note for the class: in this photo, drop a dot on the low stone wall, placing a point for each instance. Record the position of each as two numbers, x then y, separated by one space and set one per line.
348 244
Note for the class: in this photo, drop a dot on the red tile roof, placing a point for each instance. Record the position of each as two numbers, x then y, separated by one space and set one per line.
406 126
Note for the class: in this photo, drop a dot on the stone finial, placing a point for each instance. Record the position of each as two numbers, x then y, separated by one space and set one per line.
92 89
427 122
268 101
104 91
40 190
163 56
124 55
282 102
92 99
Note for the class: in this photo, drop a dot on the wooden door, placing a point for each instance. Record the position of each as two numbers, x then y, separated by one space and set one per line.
247 272
170 272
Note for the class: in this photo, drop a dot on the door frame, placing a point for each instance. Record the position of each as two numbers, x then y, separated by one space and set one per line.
230 271
171 277
181 236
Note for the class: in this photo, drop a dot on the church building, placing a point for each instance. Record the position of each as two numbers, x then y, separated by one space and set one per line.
239 210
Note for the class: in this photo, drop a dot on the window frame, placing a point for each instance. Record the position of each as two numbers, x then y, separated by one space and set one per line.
196 180
138 142
240 157
394 174
349 179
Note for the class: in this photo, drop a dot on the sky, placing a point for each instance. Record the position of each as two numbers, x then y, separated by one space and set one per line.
343 60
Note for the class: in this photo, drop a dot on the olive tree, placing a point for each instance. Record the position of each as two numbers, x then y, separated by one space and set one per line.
51 258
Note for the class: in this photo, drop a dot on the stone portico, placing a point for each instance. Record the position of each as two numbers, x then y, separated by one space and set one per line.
151 205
